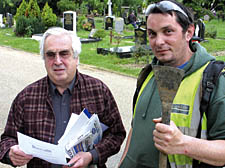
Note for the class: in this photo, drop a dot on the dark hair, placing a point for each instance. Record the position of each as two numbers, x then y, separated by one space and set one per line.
181 19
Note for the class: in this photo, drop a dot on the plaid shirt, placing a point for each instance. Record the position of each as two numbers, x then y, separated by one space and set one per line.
32 114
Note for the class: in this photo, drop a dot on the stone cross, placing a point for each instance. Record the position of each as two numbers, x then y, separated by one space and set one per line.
109 8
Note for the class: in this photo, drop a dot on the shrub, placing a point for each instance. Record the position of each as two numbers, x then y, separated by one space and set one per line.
33 9
65 5
80 21
100 33
48 17
87 26
21 25
59 22
28 26
211 32
21 10
37 25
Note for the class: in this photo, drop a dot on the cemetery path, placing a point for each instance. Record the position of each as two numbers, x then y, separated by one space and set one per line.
19 68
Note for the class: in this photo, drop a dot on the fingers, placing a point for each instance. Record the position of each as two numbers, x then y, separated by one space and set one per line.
18 157
167 138
157 120
80 160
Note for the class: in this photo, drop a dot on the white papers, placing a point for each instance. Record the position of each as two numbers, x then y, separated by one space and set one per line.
82 132
43 150
90 134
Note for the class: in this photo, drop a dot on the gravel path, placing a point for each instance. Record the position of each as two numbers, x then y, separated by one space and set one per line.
18 69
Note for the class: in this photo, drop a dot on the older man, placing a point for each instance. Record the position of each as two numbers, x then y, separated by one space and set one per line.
42 110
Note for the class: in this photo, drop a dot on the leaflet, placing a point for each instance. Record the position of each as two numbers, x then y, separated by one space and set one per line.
82 132
43 150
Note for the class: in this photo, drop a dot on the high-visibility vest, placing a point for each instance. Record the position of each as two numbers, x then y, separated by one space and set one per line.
185 112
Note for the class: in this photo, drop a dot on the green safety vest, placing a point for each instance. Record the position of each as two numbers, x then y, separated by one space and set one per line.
185 112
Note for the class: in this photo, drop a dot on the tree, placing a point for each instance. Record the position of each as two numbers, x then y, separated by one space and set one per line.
48 17
33 9
6 6
65 5
21 10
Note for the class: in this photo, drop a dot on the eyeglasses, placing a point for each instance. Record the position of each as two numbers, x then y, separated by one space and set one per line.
165 6
62 54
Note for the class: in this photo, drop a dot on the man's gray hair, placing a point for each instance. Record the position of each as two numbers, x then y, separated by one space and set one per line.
76 44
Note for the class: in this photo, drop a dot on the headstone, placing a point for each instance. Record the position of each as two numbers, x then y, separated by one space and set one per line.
92 22
69 20
206 17
108 23
92 33
1 20
142 24
119 25
200 29
9 19
140 36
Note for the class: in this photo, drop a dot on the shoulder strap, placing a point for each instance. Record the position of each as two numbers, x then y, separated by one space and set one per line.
210 77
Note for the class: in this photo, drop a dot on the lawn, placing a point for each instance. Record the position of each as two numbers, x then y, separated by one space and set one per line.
110 62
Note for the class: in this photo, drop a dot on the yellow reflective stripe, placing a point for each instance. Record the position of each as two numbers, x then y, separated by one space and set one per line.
186 97
204 123
180 160
142 88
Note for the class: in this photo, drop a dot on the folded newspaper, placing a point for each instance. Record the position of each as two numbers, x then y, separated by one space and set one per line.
82 132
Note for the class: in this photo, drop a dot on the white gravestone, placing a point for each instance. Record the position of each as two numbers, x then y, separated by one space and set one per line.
69 21
119 25
1 21
206 18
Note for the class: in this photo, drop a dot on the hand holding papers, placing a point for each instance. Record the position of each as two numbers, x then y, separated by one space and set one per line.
82 132
43 150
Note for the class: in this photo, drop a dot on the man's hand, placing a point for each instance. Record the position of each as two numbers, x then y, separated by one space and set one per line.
80 160
168 138
18 157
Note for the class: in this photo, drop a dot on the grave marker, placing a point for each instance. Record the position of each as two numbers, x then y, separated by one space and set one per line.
140 36
69 20
108 23
119 25
1 20
9 19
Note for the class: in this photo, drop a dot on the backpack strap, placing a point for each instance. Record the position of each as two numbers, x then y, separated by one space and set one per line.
210 77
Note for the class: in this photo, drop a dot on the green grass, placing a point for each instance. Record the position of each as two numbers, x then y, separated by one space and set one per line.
111 62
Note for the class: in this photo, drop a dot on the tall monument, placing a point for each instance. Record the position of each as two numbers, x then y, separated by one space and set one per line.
109 8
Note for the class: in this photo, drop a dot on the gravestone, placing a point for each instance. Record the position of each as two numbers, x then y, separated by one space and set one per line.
9 19
69 20
108 23
1 21
119 25
199 30
92 33
142 24
92 22
140 36
206 18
